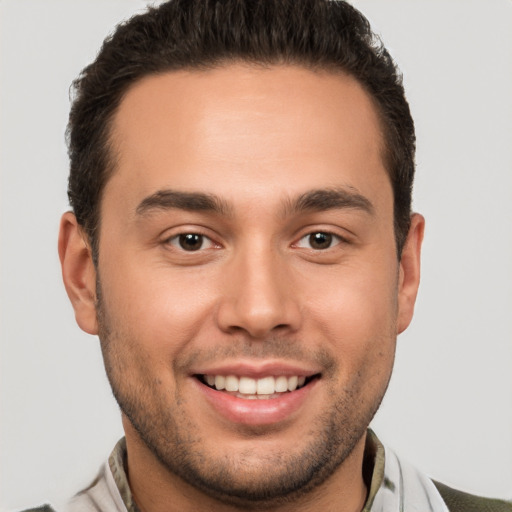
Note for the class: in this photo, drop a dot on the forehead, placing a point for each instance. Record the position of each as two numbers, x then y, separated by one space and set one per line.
246 126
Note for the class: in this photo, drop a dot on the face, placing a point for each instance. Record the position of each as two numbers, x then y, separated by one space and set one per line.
249 289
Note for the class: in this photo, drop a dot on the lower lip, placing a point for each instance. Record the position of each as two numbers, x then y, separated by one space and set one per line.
258 411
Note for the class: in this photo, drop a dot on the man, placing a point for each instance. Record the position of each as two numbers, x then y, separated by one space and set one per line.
242 242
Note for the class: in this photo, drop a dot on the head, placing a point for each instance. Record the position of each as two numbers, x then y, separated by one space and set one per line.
240 176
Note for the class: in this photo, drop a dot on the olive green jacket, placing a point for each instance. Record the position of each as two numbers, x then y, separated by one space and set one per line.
458 501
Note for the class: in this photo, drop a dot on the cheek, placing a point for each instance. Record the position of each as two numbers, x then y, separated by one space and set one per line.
157 306
357 312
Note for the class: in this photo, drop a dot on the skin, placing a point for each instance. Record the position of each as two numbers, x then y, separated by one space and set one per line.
256 293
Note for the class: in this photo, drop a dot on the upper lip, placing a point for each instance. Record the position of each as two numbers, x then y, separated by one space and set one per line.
256 369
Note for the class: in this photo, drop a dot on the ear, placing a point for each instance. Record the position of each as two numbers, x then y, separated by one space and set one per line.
78 272
409 276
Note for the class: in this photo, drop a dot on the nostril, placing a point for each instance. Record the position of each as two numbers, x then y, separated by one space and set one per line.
256 314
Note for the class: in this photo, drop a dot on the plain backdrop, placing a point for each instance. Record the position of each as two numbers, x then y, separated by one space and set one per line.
449 406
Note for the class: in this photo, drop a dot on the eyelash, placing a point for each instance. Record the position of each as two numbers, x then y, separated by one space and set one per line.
176 241
327 238
331 238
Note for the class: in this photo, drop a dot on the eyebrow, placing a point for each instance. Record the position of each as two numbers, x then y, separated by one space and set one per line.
191 201
313 200
329 199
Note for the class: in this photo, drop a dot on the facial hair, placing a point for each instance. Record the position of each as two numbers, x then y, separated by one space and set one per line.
234 478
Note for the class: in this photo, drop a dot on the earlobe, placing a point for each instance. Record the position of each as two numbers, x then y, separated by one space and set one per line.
409 278
78 272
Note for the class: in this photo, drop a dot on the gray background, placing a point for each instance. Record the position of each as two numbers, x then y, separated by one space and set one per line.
449 407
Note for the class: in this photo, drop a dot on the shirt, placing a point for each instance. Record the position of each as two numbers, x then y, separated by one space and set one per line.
393 485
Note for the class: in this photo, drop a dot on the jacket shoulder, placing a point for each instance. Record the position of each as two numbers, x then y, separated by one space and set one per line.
43 508
458 501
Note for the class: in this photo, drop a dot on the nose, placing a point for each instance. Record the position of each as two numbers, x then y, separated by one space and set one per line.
258 296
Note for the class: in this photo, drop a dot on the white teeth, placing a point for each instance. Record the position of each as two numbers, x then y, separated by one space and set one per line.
292 383
248 386
231 383
266 386
220 382
281 384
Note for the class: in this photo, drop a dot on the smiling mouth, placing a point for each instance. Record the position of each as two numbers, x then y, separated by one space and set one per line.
252 389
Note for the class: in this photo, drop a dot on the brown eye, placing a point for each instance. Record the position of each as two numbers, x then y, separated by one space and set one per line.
318 241
190 242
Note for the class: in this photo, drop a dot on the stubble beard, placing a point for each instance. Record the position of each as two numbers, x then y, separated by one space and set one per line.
281 477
